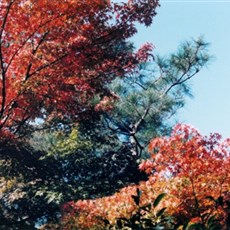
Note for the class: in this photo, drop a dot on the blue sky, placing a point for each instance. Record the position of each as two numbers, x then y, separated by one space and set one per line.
176 21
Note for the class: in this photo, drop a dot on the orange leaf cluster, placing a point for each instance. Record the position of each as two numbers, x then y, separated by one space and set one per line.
197 167
89 214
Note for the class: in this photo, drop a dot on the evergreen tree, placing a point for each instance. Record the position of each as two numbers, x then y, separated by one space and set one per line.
151 96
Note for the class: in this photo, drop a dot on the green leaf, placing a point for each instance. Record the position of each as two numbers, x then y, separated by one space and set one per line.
211 219
51 198
160 212
213 223
197 226
138 192
119 224
39 193
186 224
147 207
137 198
106 222
135 218
158 199
124 219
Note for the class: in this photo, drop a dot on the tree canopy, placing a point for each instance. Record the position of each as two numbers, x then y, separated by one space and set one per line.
56 52
55 58
149 98
79 105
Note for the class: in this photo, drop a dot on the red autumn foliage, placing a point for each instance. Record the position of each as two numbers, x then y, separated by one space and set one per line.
89 214
56 55
192 169
197 168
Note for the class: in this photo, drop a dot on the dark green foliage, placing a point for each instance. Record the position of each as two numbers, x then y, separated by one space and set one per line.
41 181
158 199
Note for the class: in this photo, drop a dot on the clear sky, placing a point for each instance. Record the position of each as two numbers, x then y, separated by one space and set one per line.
179 20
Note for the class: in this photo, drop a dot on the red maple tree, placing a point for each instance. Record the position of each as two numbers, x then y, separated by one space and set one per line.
55 55
196 169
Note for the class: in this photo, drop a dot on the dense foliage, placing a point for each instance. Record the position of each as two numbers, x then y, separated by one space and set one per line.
191 169
78 108
56 57
54 52
148 98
